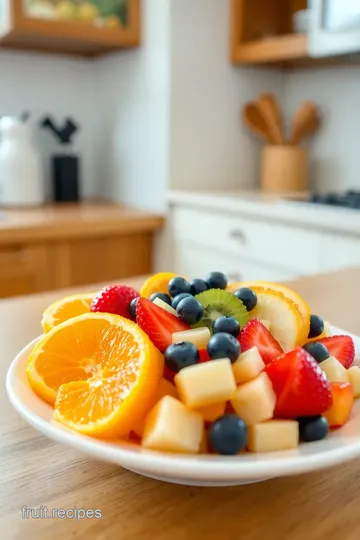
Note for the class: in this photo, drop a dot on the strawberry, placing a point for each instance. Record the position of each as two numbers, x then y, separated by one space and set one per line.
301 386
255 334
204 356
168 374
157 323
342 347
114 299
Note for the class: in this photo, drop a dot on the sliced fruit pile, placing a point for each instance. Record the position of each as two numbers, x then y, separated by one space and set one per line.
195 367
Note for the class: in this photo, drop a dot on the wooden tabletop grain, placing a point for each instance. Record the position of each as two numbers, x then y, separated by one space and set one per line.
35 472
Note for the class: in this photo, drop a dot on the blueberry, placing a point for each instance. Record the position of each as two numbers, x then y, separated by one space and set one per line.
178 298
248 298
164 297
316 326
313 428
189 310
317 351
229 325
198 286
223 345
228 435
178 285
132 308
181 355
216 280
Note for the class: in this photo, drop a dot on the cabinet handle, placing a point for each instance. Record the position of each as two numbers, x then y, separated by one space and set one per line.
238 235
233 277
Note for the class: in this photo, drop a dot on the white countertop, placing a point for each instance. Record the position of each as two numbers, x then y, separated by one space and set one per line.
273 206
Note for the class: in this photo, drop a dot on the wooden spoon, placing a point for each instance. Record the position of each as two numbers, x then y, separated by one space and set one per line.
270 110
305 122
254 120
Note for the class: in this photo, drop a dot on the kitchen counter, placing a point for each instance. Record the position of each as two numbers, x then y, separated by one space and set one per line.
281 207
64 245
75 220
35 471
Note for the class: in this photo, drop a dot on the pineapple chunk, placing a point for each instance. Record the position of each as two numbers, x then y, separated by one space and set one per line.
164 305
206 384
255 400
273 435
171 427
248 366
198 336
354 377
334 371
165 388
212 412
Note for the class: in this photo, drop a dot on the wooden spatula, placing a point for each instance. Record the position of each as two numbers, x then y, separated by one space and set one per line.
270 110
255 121
305 122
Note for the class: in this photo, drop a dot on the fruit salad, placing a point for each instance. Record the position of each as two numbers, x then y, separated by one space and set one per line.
199 366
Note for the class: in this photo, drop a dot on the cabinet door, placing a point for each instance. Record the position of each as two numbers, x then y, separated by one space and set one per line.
193 260
339 251
94 260
23 270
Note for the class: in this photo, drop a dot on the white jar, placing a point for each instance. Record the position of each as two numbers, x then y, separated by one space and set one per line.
21 172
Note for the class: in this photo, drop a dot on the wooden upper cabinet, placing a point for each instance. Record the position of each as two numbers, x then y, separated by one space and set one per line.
262 32
85 27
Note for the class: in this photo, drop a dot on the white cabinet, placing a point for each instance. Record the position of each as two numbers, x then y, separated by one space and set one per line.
194 260
250 247
339 251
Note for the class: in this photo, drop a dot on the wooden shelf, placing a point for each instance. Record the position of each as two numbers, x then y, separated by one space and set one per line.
262 32
276 49
70 37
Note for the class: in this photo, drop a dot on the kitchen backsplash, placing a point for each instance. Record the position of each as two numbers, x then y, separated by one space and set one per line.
60 86
334 150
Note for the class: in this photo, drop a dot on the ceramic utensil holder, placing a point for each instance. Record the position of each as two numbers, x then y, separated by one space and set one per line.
284 168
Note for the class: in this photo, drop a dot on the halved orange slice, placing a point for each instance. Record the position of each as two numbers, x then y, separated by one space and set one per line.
300 304
101 369
156 283
284 317
66 308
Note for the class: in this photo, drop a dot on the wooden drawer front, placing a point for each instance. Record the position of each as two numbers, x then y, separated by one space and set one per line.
23 270
277 244
193 260
92 260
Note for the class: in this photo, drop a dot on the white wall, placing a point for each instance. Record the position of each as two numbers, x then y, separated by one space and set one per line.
211 148
169 112
61 86
335 149
132 138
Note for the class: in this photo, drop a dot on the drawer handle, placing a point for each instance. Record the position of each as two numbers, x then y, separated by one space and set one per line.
234 277
238 235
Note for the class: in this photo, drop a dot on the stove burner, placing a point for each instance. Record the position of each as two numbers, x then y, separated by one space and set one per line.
349 199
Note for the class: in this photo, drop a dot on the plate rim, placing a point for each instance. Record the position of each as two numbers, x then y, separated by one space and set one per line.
180 466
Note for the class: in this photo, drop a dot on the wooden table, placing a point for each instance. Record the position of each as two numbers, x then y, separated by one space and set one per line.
35 471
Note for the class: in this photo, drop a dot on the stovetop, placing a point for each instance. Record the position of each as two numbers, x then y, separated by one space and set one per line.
347 199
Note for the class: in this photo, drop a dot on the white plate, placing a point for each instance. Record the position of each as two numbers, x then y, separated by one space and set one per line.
201 470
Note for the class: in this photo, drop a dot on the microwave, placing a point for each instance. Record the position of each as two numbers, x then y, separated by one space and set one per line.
334 27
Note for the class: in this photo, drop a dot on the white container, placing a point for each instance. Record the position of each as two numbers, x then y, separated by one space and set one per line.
21 172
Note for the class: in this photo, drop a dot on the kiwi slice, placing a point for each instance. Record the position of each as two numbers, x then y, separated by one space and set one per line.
216 303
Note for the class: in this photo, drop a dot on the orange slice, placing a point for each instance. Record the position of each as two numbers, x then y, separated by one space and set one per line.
301 305
156 283
101 369
66 308
285 320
